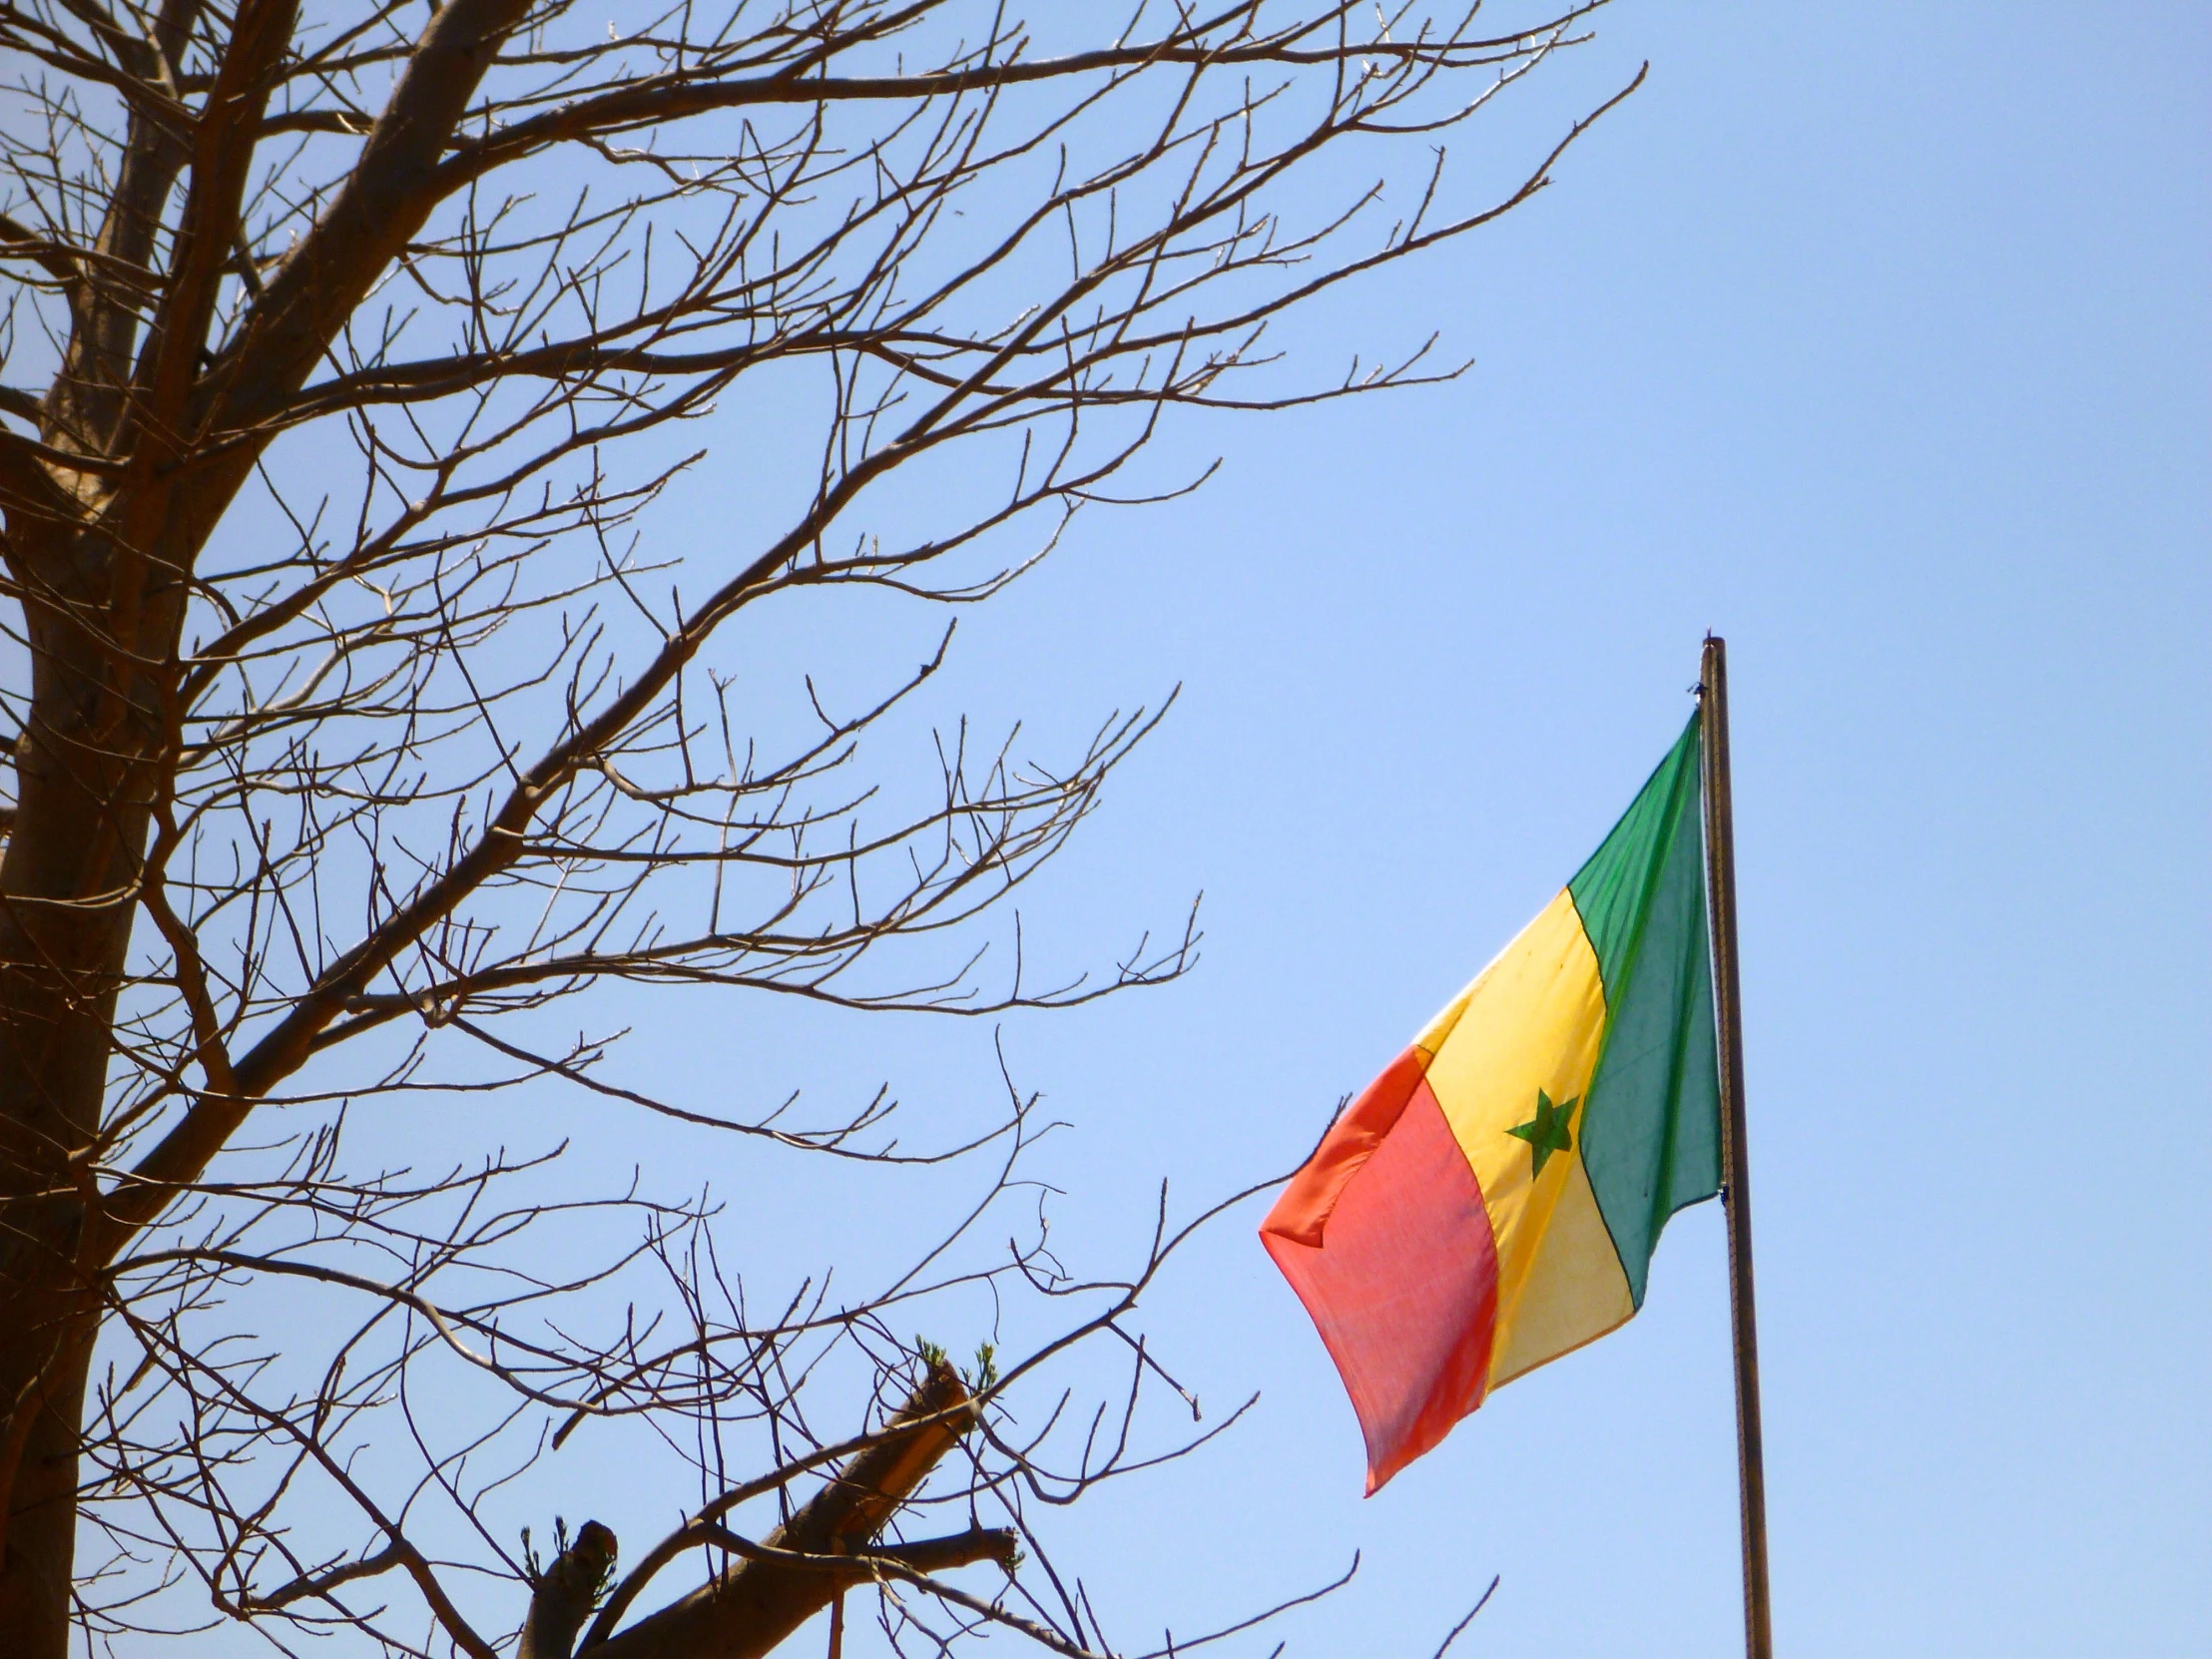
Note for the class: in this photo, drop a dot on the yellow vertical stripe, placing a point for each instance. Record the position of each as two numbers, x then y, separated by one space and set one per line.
1532 1021
1575 1289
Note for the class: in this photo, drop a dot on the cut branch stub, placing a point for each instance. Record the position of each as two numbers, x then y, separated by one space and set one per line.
748 1612
563 1598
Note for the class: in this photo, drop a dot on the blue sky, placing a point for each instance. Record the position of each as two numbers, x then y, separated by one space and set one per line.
1877 339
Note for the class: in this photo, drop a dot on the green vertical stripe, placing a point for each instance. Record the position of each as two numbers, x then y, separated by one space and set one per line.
1651 1127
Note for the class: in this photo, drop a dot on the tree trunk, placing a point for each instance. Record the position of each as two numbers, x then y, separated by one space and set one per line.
67 893
42 1525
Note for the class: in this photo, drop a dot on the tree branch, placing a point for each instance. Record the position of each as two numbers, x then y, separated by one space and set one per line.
747 1613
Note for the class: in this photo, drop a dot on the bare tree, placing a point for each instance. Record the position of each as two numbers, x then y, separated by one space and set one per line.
360 712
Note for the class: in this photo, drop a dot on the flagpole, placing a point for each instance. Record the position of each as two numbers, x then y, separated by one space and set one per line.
1720 868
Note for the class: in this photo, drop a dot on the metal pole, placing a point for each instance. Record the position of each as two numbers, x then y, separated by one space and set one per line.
1720 869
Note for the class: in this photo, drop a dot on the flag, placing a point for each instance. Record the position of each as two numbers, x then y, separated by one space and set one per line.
1492 1201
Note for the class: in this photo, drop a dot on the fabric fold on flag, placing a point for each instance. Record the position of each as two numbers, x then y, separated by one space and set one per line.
1492 1200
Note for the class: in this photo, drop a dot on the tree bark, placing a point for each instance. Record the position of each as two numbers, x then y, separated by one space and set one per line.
35 1599
67 900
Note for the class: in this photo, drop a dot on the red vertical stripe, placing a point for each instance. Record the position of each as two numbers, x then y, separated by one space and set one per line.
1385 1239
1300 1214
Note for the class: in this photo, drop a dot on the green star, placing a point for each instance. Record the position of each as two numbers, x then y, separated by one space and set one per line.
1548 1131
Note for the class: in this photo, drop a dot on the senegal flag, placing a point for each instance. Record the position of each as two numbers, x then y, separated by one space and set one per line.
1492 1200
